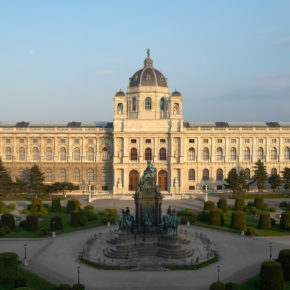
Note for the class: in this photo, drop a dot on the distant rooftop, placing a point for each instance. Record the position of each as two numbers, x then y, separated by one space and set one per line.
237 124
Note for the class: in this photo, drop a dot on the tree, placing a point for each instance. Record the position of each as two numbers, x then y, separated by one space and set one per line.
35 179
63 186
6 183
286 177
260 175
236 181
275 181
20 186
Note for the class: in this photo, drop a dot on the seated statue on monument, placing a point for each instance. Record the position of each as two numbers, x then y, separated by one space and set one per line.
126 222
170 220
148 179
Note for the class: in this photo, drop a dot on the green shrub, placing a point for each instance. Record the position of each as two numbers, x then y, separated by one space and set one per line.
180 213
56 223
36 205
8 219
113 212
2 204
273 222
8 267
22 224
273 209
64 287
55 205
238 220
4 231
240 204
266 205
217 286
216 217
259 202
73 205
104 220
253 210
203 216
88 207
46 205
188 212
11 206
31 223
265 221
4 210
208 205
283 203
44 232
232 286
25 288
25 211
250 204
78 287
285 220
284 260
19 282
223 205
106 212
271 276
79 218
92 214
250 231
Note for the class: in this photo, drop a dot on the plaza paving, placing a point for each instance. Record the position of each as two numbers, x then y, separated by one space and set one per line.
57 259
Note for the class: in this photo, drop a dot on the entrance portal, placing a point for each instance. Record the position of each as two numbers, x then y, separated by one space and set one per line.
133 179
163 180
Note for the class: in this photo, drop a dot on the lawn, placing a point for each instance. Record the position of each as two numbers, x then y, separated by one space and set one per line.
251 222
33 281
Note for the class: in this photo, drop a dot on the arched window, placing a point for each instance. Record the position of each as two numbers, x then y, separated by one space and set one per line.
176 109
49 177
77 154
205 174
35 154
219 154
274 171
205 154
274 153
133 154
104 154
162 104
191 154
91 174
247 173
48 154
22 155
219 174
62 155
77 175
247 153
62 175
148 154
191 174
8 154
162 154
260 153
287 153
134 105
148 104
91 154
120 108
233 154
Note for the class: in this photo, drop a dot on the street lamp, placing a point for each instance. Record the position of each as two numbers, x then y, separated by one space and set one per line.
25 255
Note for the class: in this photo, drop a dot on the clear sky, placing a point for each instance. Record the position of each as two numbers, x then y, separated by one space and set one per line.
64 60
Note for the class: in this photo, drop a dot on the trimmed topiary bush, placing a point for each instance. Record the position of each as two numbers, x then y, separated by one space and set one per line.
208 205
217 286
203 216
79 218
8 267
55 205
181 213
56 223
259 202
273 209
271 276
11 206
4 230
92 214
250 231
88 207
73 205
285 220
8 219
19 282
113 212
266 206
240 204
44 232
238 220
284 260
223 205
216 217
78 287
232 286
265 221
64 287
31 223
22 224
36 205
283 203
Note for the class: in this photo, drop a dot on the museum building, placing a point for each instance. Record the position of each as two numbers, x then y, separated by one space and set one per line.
109 157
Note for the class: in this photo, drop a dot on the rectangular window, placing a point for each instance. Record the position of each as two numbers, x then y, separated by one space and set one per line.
21 140
219 187
77 141
287 140
8 140
90 140
48 140
191 187
274 140
260 140
162 141
35 140
191 140
148 141
219 140
233 140
62 141
205 140
247 140
133 141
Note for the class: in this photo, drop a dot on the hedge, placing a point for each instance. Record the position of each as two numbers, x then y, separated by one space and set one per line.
216 217
284 260
56 223
217 286
203 216
238 220
8 267
92 214
283 203
78 287
55 205
79 218
73 205
4 230
259 202
265 221
285 220
88 207
110 212
208 205
250 231
36 205
223 205
64 287
8 219
31 224
232 286
240 204
271 276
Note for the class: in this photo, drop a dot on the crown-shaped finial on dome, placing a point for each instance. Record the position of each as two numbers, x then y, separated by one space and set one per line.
148 62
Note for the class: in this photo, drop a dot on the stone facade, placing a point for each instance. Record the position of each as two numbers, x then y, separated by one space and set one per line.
148 125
